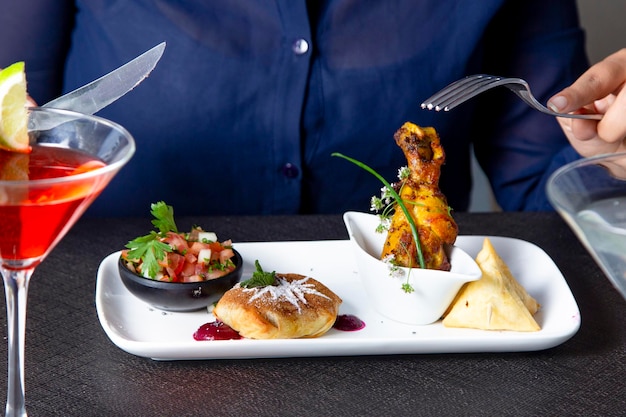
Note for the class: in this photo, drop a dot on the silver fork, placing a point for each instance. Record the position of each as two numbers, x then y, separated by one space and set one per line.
462 90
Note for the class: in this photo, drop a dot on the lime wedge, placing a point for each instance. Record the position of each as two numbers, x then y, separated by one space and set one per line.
13 112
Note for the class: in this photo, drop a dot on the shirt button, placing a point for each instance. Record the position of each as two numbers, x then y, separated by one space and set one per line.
300 47
290 170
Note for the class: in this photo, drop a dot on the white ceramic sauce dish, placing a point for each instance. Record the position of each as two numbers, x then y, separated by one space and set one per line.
434 290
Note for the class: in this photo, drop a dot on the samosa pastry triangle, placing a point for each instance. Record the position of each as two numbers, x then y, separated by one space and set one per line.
494 302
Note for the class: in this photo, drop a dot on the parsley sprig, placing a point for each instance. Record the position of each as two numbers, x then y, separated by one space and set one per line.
163 217
260 278
149 248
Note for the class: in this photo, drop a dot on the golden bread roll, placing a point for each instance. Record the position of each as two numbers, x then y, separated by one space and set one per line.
298 306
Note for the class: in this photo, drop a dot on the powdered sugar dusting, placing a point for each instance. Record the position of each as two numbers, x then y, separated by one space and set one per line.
292 291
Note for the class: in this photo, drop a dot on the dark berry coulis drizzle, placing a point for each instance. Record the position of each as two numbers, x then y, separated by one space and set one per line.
348 323
216 330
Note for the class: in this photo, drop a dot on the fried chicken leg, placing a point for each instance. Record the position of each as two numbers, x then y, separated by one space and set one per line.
425 202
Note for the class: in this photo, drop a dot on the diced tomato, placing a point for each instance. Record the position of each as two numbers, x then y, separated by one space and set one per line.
189 269
196 247
175 263
191 258
216 273
226 254
193 278
201 268
177 242
216 246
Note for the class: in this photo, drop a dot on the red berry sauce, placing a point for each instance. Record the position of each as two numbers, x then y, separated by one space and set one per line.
216 330
348 323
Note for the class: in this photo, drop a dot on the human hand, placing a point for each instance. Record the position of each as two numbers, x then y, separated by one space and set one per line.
598 90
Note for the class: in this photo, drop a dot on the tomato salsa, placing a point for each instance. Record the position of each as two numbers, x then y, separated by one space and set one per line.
194 256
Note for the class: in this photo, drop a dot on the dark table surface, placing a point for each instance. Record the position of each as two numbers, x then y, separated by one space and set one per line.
73 369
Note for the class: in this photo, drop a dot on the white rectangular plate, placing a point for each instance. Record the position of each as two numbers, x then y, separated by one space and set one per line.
142 330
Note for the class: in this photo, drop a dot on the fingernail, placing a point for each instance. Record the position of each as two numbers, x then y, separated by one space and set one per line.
557 103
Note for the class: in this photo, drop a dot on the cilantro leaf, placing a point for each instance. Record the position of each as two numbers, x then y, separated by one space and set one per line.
259 278
150 250
163 217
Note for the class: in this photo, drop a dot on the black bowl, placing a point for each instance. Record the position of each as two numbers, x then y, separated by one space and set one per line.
180 296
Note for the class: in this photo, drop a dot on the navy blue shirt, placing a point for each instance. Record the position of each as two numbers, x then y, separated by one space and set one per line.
250 98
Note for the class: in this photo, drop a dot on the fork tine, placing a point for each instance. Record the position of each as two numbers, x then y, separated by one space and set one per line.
487 84
459 95
436 98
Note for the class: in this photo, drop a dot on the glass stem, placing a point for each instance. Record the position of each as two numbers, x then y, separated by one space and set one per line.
16 290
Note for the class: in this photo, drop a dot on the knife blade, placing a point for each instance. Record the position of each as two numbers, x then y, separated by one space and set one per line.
103 91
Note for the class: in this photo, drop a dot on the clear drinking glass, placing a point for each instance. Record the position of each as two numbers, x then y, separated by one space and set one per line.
590 194
74 157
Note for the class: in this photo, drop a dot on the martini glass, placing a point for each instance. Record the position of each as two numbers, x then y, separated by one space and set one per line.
590 194
42 195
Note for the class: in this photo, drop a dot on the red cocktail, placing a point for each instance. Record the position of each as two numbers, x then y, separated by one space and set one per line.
42 194
33 222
